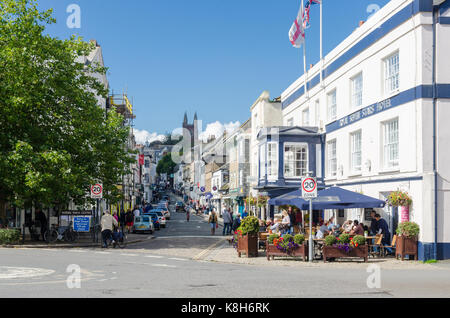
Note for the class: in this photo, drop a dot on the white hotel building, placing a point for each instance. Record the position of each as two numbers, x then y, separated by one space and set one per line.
384 108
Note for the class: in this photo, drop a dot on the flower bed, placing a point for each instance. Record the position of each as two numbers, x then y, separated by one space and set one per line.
344 246
287 246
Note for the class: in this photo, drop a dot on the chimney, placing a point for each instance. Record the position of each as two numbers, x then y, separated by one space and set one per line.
311 66
361 22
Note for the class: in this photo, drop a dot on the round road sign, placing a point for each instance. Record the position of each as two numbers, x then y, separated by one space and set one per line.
309 185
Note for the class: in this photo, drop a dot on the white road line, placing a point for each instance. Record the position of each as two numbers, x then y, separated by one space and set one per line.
163 265
103 253
129 255
178 259
153 256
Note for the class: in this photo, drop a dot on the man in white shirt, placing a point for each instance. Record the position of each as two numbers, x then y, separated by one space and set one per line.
136 211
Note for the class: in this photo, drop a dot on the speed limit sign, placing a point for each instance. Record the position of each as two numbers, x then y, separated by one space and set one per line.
309 188
97 191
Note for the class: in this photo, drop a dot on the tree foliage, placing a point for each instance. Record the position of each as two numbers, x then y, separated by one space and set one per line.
166 165
55 141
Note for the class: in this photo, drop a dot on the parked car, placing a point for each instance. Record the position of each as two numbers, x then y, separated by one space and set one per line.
162 219
143 224
179 207
164 210
155 220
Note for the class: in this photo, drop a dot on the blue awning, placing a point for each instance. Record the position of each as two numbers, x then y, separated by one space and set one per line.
331 198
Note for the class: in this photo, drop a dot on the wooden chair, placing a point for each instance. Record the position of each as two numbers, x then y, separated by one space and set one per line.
376 244
392 246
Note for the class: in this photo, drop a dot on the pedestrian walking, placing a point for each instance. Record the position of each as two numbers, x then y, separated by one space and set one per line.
136 211
108 223
129 219
213 222
236 222
187 215
291 220
40 216
227 222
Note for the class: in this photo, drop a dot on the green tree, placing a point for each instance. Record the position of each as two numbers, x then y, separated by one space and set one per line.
166 165
54 139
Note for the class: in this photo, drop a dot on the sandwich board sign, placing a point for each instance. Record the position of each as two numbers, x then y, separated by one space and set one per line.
309 188
97 191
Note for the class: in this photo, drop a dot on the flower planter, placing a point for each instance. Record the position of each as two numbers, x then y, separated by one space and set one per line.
272 251
406 246
335 252
248 245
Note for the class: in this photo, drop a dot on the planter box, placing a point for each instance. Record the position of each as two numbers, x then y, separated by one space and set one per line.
335 252
248 245
406 246
272 251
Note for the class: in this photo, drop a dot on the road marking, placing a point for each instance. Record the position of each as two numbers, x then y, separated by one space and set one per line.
7 272
178 259
162 265
129 255
104 253
153 256
204 252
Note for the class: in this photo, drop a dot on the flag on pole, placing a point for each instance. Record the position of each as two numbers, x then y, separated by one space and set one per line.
305 14
297 32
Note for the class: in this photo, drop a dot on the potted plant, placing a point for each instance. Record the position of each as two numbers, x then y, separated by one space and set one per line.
408 233
287 245
403 200
248 237
345 246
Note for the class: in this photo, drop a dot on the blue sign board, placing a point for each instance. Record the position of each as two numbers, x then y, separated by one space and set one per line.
81 223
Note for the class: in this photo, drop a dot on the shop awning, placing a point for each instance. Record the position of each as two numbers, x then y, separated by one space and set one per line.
327 199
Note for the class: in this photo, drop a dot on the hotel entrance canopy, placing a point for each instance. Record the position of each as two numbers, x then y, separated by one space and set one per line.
328 199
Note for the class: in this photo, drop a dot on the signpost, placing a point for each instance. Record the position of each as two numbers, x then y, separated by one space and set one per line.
96 193
81 223
309 192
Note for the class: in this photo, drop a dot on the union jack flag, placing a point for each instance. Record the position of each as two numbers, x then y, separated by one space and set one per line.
305 15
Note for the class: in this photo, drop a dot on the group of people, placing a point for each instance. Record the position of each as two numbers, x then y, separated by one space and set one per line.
231 222
286 225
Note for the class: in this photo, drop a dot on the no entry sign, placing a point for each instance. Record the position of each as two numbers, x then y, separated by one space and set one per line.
97 191
309 188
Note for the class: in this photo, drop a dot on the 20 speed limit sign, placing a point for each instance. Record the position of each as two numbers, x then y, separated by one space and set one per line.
309 188
97 191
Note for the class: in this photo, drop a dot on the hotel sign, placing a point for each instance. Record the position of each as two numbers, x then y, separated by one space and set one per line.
365 112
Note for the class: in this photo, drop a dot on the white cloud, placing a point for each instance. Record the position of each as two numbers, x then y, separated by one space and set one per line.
217 129
143 135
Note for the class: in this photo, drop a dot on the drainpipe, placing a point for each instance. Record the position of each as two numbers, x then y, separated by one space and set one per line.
435 17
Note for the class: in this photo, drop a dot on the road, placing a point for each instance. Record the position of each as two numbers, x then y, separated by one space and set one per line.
174 264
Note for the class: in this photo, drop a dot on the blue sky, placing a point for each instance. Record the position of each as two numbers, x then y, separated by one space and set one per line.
210 56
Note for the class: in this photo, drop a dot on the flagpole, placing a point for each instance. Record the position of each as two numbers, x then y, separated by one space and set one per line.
304 54
321 44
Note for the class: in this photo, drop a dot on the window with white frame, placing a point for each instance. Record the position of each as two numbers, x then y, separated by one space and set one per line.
355 151
305 116
390 144
295 160
391 73
332 159
290 122
332 107
272 160
262 161
356 90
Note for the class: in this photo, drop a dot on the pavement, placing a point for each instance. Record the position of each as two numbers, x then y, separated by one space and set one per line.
86 242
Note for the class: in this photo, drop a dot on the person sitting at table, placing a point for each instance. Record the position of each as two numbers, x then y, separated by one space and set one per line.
323 230
347 226
262 226
357 228
283 225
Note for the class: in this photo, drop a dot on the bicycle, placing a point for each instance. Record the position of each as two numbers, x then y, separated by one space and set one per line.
60 233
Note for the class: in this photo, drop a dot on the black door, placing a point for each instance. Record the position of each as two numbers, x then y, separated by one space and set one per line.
394 220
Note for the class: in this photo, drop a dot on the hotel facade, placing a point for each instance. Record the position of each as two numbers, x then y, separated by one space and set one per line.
381 99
